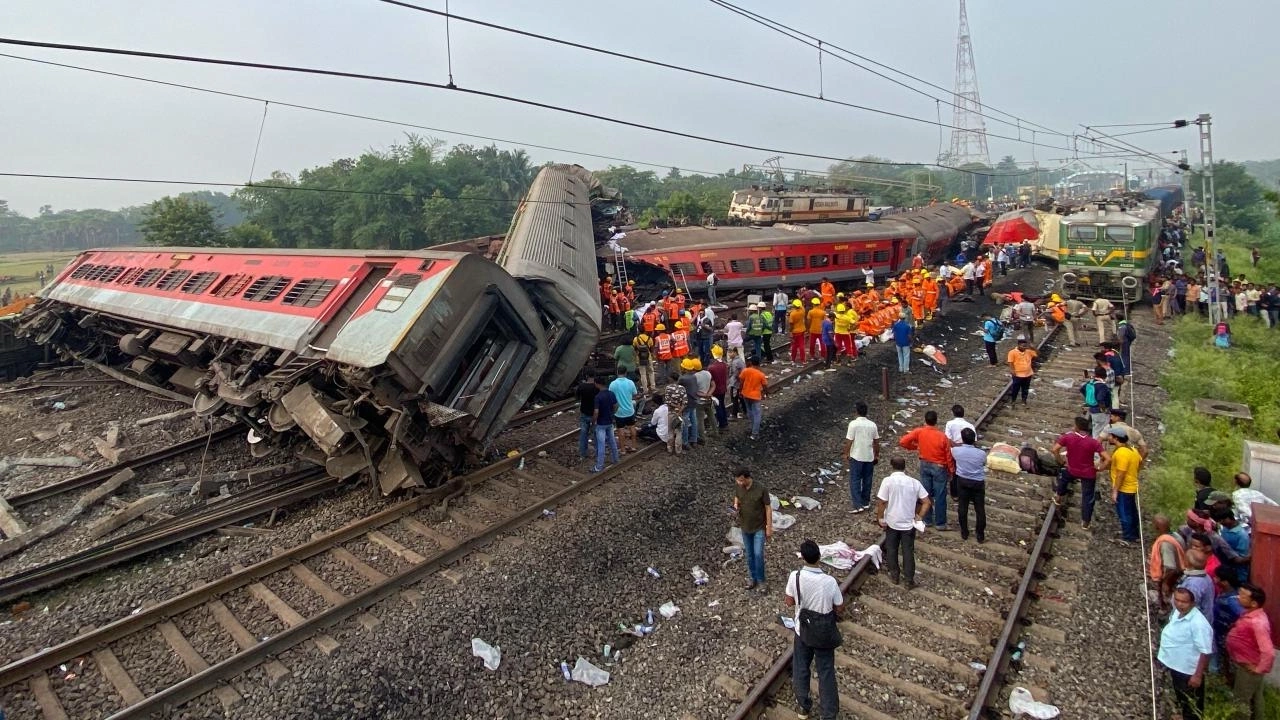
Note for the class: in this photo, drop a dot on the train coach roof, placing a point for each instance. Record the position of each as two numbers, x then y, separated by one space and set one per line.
730 236
347 252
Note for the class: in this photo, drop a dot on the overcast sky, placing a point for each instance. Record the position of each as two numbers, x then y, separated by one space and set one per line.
1057 64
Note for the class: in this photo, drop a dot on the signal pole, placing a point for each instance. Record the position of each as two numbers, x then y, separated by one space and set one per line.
1205 123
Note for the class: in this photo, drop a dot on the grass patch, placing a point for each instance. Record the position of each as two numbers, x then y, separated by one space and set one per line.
1246 373
22 267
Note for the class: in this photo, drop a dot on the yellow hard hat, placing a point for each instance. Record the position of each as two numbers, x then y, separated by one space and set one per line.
926 273
895 301
631 282
870 283
1055 297
842 307
839 295
716 351
688 364
661 328
797 303
679 325
815 301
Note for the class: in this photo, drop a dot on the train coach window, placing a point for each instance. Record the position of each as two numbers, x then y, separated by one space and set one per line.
742 267
84 271
683 268
129 276
843 258
266 289
714 266
819 261
173 279
111 273
199 282
795 263
861 258
770 264
309 292
148 277
231 285
880 256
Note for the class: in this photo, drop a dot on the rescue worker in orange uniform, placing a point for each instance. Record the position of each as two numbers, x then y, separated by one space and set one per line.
679 348
815 317
662 352
930 296
680 300
796 326
649 320
670 311
615 311
915 298
631 292
828 292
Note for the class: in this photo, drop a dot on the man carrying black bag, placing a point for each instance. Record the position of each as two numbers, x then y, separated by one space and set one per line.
816 597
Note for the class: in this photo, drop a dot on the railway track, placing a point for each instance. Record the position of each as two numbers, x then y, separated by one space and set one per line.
293 597
949 648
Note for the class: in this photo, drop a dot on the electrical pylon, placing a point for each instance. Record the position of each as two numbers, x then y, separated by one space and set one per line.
969 137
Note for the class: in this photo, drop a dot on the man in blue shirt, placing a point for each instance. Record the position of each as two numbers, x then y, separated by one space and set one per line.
624 417
602 416
990 330
971 486
1236 538
902 334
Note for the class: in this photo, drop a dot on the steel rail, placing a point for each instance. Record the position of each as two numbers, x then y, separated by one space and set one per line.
82 644
767 686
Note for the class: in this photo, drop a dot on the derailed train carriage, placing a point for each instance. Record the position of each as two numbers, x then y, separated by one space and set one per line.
398 365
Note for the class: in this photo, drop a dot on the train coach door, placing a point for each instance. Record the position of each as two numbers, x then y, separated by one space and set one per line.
336 323
898 257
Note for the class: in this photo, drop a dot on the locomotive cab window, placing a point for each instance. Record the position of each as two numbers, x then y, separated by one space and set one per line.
1119 233
742 267
1087 233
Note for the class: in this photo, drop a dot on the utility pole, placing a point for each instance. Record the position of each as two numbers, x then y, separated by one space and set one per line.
1207 202
1183 169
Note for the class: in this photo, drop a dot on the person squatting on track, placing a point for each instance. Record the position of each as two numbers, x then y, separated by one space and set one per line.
811 591
902 502
755 519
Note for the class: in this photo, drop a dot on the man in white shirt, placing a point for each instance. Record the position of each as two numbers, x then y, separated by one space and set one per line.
869 276
819 593
780 301
980 277
903 502
861 451
712 281
956 424
659 426
1244 497
733 331
966 272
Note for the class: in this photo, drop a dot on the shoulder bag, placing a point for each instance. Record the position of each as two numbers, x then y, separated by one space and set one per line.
817 630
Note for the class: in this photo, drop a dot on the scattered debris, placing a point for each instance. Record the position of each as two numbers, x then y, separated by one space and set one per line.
166 417
58 524
490 654
124 516
668 610
588 674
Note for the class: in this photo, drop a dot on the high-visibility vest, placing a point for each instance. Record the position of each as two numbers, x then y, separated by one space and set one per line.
679 343
663 345
767 317
650 321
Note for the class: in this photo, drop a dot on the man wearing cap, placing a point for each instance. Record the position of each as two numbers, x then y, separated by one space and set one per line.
814 321
755 330
1021 361
1104 315
719 371
796 324
689 427
1124 464
1117 420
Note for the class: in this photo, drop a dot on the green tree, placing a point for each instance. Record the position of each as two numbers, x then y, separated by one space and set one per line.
1240 199
182 222
249 235
681 205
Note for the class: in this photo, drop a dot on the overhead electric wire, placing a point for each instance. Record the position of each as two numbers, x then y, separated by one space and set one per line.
468 91
703 73
791 32
354 116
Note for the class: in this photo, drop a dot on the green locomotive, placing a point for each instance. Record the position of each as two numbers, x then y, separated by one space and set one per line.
1109 248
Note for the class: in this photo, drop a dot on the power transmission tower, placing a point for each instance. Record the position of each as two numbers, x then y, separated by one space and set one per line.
969 138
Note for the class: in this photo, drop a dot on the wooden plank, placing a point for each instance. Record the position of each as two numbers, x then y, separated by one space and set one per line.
289 616
426 531
120 518
396 548
467 522
510 490
315 584
243 638
364 569
119 678
58 524
195 663
241 531
46 698
959 670
10 522
910 618
876 676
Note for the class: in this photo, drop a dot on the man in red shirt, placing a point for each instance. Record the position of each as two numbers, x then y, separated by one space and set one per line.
1076 450
936 465
1250 649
